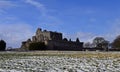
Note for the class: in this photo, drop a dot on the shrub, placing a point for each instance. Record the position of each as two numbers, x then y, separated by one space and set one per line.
37 46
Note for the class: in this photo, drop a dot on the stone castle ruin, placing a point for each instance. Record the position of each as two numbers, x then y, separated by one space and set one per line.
53 41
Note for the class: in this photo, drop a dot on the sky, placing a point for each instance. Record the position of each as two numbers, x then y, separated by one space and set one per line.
85 19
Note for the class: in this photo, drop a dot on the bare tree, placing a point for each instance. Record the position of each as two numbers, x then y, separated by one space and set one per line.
100 42
116 42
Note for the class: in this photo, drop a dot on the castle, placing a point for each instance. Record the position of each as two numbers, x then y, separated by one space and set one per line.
53 41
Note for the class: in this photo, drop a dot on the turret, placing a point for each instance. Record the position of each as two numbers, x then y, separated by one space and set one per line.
38 31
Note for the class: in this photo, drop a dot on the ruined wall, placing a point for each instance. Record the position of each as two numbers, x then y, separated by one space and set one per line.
25 44
55 36
42 36
64 45
53 40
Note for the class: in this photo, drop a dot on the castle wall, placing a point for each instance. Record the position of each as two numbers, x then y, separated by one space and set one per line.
53 41
55 36
64 45
46 35
43 36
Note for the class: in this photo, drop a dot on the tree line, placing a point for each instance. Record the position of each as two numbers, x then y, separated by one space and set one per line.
100 42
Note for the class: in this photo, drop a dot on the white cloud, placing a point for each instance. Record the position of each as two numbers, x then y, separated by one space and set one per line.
35 3
14 34
5 5
83 37
88 37
38 5
12 30
47 21
112 32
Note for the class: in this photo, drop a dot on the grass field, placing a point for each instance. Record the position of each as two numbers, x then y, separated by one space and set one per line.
59 61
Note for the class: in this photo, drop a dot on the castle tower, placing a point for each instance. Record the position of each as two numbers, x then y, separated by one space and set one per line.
38 31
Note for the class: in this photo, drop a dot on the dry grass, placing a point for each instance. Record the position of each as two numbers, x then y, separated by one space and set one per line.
77 54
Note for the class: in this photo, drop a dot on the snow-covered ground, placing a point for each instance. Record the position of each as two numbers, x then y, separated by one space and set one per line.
46 63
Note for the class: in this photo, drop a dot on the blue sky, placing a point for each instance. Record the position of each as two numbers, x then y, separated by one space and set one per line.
85 19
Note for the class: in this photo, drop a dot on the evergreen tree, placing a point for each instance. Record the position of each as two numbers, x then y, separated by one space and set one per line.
2 45
70 40
77 40
65 39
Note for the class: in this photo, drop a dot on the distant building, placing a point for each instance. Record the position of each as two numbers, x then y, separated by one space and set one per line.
53 41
